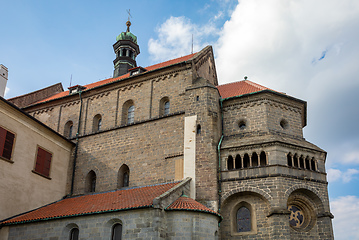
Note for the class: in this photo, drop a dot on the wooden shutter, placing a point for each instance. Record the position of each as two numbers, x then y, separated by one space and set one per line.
2 140
43 162
47 163
6 143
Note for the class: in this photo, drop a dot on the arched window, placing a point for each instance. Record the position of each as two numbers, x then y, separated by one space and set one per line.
246 163
74 234
128 112
164 106
117 232
123 178
254 159
238 162
301 162
90 182
307 163
230 163
97 123
68 129
289 160
131 114
313 165
199 129
295 160
244 220
263 159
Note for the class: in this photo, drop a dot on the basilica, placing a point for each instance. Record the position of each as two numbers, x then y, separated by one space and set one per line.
160 152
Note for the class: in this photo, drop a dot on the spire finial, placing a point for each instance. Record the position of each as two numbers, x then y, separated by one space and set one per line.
128 23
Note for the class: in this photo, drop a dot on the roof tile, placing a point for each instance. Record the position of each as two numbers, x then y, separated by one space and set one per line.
132 198
189 204
240 88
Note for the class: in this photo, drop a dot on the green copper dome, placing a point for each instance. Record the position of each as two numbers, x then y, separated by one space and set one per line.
127 36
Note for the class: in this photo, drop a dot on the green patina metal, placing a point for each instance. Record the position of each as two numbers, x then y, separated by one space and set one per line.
127 36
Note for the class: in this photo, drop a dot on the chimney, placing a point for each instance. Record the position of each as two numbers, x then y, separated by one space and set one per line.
3 79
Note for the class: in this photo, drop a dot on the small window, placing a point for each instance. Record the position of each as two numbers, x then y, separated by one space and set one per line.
43 162
263 159
164 106
289 159
74 234
307 163
197 98
242 124
230 163
167 107
313 165
255 159
284 124
117 232
123 176
199 129
6 143
244 220
301 162
238 162
97 123
295 160
90 182
68 129
246 162
131 114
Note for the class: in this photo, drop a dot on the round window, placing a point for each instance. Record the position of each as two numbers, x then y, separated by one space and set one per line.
302 214
242 124
296 218
284 124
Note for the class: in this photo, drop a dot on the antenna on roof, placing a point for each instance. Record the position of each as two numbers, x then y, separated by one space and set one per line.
192 44
70 80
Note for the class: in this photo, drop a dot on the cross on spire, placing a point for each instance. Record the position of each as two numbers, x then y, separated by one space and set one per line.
128 23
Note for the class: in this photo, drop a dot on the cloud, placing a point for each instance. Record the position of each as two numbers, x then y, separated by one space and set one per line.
352 157
345 177
346 217
175 38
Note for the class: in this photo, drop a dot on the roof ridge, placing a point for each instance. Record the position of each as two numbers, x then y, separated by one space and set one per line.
255 84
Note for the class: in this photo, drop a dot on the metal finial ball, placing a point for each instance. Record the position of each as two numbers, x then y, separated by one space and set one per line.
245 77
128 23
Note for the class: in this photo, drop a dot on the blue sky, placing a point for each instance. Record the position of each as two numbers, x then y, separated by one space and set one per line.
308 49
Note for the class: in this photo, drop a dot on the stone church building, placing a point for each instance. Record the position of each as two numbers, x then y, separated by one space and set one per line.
165 152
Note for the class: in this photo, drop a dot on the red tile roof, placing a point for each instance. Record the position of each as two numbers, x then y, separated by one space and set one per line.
188 204
139 197
240 88
109 80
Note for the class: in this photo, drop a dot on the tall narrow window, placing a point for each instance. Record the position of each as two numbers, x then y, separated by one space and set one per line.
289 159
301 162
230 163
313 165
6 143
254 159
167 107
117 232
164 106
123 176
68 129
246 161
263 159
74 234
295 160
90 182
43 162
199 129
238 162
131 114
97 123
243 220
307 163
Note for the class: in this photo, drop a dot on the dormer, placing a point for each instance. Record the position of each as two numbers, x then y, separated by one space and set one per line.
76 89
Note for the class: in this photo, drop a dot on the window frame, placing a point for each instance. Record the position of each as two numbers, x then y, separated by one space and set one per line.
2 148
113 237
71 237
38 170
253 220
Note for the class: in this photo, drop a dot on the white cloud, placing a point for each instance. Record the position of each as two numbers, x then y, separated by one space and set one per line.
346 217
352 157
337 175
175 38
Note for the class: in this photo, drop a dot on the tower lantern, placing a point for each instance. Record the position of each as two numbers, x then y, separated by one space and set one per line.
126 50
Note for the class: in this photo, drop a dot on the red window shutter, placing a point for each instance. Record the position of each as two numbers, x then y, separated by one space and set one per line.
9 141
47 163
2 140
40 160
43 162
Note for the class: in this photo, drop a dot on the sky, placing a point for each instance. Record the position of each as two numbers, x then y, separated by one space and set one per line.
307 49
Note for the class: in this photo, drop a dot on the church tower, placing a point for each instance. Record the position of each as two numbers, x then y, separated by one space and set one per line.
126 50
